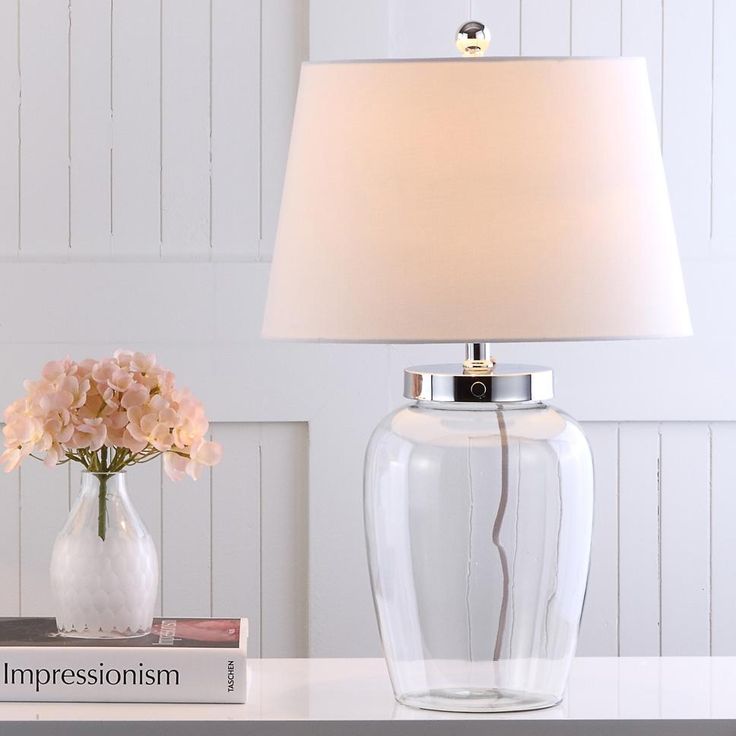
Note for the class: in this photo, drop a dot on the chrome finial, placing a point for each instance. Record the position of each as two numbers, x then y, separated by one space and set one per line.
472 38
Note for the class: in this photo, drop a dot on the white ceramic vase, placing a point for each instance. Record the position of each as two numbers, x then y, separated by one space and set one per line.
104 566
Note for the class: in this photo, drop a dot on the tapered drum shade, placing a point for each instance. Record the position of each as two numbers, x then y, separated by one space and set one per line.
475 200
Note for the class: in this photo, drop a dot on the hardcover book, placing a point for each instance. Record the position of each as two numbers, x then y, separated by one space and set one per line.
182 660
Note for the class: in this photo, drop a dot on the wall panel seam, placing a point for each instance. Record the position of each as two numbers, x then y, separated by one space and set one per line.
260 129
521 16
710 540
712 109
69 122
112 120
20 569
210 123
661 81
161 128
569 13
260 538
20 136
20 541
618 538
659 533
212 536
162 571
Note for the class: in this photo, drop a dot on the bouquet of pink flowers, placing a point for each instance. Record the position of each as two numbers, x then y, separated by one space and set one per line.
109 414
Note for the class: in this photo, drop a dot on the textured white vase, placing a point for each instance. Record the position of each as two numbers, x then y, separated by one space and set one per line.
104 588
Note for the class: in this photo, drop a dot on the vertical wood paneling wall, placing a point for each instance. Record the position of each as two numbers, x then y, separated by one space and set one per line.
139 128
142 152
662 575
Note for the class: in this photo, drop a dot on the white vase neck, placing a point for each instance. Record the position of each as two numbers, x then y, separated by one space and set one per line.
114 484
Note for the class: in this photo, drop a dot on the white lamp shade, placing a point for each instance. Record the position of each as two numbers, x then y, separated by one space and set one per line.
475 200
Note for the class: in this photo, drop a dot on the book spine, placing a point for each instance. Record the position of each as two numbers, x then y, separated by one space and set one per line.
123 674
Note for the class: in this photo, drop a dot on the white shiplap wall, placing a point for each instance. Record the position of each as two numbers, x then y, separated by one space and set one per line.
142 147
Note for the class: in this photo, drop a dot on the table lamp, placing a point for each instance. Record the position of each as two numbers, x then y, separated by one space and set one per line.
476 201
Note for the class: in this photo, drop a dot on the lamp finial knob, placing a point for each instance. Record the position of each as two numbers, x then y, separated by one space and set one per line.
472 38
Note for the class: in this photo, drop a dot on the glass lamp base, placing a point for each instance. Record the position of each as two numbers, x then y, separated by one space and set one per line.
478 522
478 700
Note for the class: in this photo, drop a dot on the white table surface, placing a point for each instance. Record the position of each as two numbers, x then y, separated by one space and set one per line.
606 696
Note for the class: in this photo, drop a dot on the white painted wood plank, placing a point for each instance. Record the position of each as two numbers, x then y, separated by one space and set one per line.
90 126
186 547
236 528
723 549
236 93
724 125
639 539
686 125
599 625
641 35
596 27
329 18
279 80
503 19
9 101
44 506
44 123
136 152
144 486
342 622
284 540
545 27
425 28
9 544
685 539
185 126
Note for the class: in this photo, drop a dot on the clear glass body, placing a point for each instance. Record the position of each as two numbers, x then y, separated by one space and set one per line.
478 522
104 588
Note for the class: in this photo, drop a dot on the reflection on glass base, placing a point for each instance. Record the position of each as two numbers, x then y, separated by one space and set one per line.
478 700
87 633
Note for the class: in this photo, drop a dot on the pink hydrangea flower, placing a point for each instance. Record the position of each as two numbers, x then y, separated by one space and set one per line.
109 414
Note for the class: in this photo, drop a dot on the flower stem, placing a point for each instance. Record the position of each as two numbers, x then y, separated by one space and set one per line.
102 507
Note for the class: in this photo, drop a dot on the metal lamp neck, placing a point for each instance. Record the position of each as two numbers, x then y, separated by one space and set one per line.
478 358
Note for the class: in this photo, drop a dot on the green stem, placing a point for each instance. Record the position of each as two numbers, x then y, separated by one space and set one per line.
102 507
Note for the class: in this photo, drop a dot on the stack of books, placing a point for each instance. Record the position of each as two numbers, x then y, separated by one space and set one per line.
192 660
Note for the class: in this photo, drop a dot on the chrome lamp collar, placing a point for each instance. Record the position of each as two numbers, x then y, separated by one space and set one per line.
479 380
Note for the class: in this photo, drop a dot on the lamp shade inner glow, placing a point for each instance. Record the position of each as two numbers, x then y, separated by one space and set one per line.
475 200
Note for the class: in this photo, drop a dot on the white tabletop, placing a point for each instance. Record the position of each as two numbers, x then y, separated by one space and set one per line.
606 695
